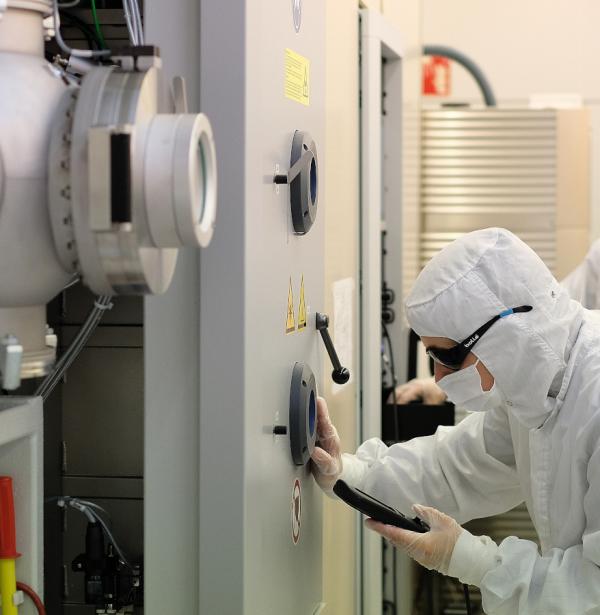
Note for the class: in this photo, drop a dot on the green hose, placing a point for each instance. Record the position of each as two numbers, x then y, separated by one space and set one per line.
97 24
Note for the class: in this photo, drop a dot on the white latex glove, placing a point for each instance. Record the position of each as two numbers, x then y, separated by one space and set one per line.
432 549
419 388
327 456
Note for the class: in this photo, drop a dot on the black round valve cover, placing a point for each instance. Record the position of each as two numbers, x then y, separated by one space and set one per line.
303 413
304 188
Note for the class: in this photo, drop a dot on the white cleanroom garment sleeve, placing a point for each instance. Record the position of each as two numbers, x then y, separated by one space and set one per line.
516 580
451 471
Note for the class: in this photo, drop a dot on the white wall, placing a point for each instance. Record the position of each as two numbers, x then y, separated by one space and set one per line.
341 244
341 263
523 46
407 17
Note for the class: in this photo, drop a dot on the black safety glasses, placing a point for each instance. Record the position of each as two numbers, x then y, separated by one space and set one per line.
454 357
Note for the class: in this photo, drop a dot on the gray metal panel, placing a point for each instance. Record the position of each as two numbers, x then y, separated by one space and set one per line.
171 444
221 581
103 413
172 350
490 167
249 564
289 577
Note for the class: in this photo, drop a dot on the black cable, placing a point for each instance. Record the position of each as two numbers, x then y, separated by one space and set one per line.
90 36
101 305
395 578
386 335
467 599
385 547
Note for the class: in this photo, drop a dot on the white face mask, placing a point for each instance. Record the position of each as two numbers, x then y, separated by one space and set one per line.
463 389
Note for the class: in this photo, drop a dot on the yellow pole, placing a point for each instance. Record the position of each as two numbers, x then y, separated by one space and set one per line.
8 586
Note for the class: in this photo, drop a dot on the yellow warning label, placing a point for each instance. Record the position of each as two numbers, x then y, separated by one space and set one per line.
297 77
290 323
302 308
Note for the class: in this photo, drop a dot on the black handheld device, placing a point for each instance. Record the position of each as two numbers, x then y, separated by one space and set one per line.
373 508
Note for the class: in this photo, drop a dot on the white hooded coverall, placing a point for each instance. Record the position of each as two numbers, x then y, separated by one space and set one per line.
541 446
583 283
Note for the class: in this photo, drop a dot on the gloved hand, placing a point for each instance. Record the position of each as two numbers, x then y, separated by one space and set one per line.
327 456
419 388
432 549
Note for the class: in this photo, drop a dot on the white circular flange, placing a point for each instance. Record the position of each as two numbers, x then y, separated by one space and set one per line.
180 181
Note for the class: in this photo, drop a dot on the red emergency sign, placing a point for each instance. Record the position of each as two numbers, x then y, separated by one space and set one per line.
436 76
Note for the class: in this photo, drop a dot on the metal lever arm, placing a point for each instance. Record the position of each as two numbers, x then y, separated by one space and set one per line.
340 374
301 163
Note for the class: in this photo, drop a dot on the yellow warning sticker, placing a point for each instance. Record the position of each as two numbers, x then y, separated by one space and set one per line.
290 323
302 308
297 77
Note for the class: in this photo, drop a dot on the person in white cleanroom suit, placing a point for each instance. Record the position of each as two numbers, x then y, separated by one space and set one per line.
535 376
582 284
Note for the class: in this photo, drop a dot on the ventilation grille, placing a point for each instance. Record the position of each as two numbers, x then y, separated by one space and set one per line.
489 167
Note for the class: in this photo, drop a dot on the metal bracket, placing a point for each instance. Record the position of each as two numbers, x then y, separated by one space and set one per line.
109 180
138 58
302 162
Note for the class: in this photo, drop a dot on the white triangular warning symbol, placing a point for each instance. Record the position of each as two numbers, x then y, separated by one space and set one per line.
290 323
302 307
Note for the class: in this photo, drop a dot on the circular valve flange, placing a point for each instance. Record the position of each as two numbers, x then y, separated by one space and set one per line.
129 184
303 413
180 177
304 186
